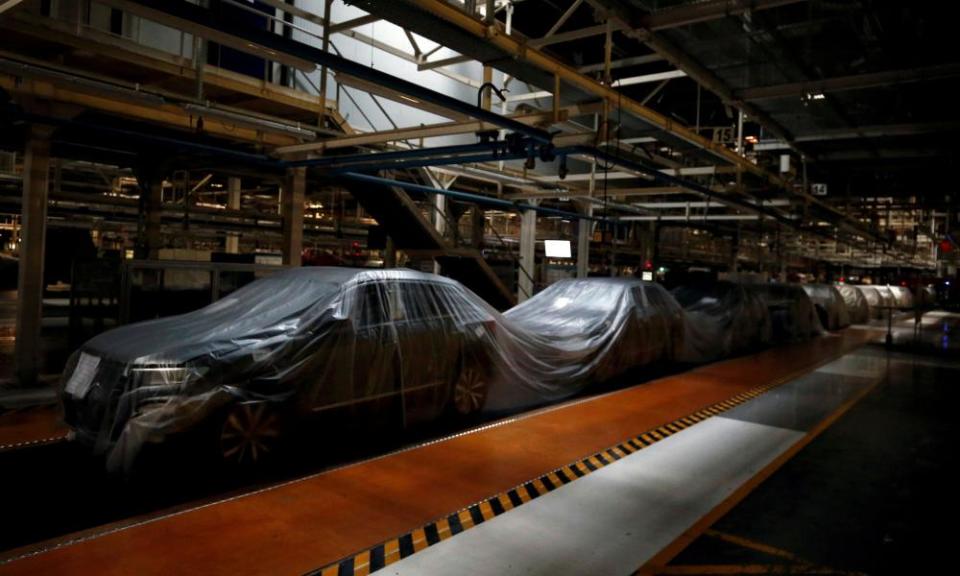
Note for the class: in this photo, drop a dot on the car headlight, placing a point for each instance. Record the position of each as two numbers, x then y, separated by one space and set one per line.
160 376
154 386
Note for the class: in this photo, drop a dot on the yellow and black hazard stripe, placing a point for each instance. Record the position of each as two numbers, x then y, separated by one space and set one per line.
33 443
386 553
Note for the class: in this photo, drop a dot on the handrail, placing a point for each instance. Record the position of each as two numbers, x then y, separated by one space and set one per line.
452 225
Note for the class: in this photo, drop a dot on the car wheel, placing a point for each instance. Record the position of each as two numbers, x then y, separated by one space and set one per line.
248 433
470 390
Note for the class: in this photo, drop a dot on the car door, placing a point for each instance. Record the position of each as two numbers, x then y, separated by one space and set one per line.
428 351
666 318
651 327
364 364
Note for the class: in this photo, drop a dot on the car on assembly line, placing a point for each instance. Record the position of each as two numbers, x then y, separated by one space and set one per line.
723 319
299 342
830 305
603 326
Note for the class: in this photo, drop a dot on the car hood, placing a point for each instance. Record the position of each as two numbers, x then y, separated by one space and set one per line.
261 315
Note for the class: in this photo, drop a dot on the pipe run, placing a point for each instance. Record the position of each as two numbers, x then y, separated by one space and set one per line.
663 178
468 197
382 159
421 162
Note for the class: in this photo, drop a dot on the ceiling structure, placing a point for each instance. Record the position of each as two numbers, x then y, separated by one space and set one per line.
800 119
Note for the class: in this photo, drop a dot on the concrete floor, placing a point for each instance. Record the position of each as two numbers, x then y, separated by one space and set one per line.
858 499
868 496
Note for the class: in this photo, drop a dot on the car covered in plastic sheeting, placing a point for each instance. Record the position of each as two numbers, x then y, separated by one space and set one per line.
792 312
880 299
874 301
589 330
722 319
857 306
300 341
830 305
902 297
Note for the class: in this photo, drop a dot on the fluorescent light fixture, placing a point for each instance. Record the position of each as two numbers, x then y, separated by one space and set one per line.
557 248
816 96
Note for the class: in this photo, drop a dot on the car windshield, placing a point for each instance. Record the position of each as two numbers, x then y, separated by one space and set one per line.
570 308
273 298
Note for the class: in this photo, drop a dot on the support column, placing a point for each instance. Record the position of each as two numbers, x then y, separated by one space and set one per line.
389 254
584 234
476 227
153 212
735 251
294 192
36 173
528 244
233 203
440 221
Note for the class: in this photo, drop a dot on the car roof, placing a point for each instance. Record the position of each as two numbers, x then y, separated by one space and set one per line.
345 275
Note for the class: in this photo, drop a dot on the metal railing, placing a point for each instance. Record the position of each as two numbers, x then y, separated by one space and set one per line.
458 240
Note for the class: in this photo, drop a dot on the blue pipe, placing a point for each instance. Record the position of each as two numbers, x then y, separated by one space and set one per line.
379 157
207 19
421 162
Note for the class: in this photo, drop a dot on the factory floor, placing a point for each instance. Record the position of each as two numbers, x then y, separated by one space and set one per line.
819 457
866 497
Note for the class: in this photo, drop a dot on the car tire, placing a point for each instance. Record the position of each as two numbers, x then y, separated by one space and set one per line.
469 392
248 433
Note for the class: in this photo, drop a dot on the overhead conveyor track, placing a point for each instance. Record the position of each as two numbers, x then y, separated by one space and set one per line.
445 23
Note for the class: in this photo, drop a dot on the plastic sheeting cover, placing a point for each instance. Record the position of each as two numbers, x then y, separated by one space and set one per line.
902 297
298 340
857 306
830 305
874 302
880 298
791 311
590 329
723 318
308 339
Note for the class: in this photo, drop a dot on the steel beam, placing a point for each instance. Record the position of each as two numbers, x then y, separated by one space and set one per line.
430 131
696 12
232 243
528 244
9 5
621 63
584 235
441 63
294 192
518 48
570 36
36 170
350 24
646 78
846 83
881 131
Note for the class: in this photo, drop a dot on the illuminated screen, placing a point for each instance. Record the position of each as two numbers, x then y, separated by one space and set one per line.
557 248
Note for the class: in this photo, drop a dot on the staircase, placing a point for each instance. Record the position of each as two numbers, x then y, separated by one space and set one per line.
411 232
